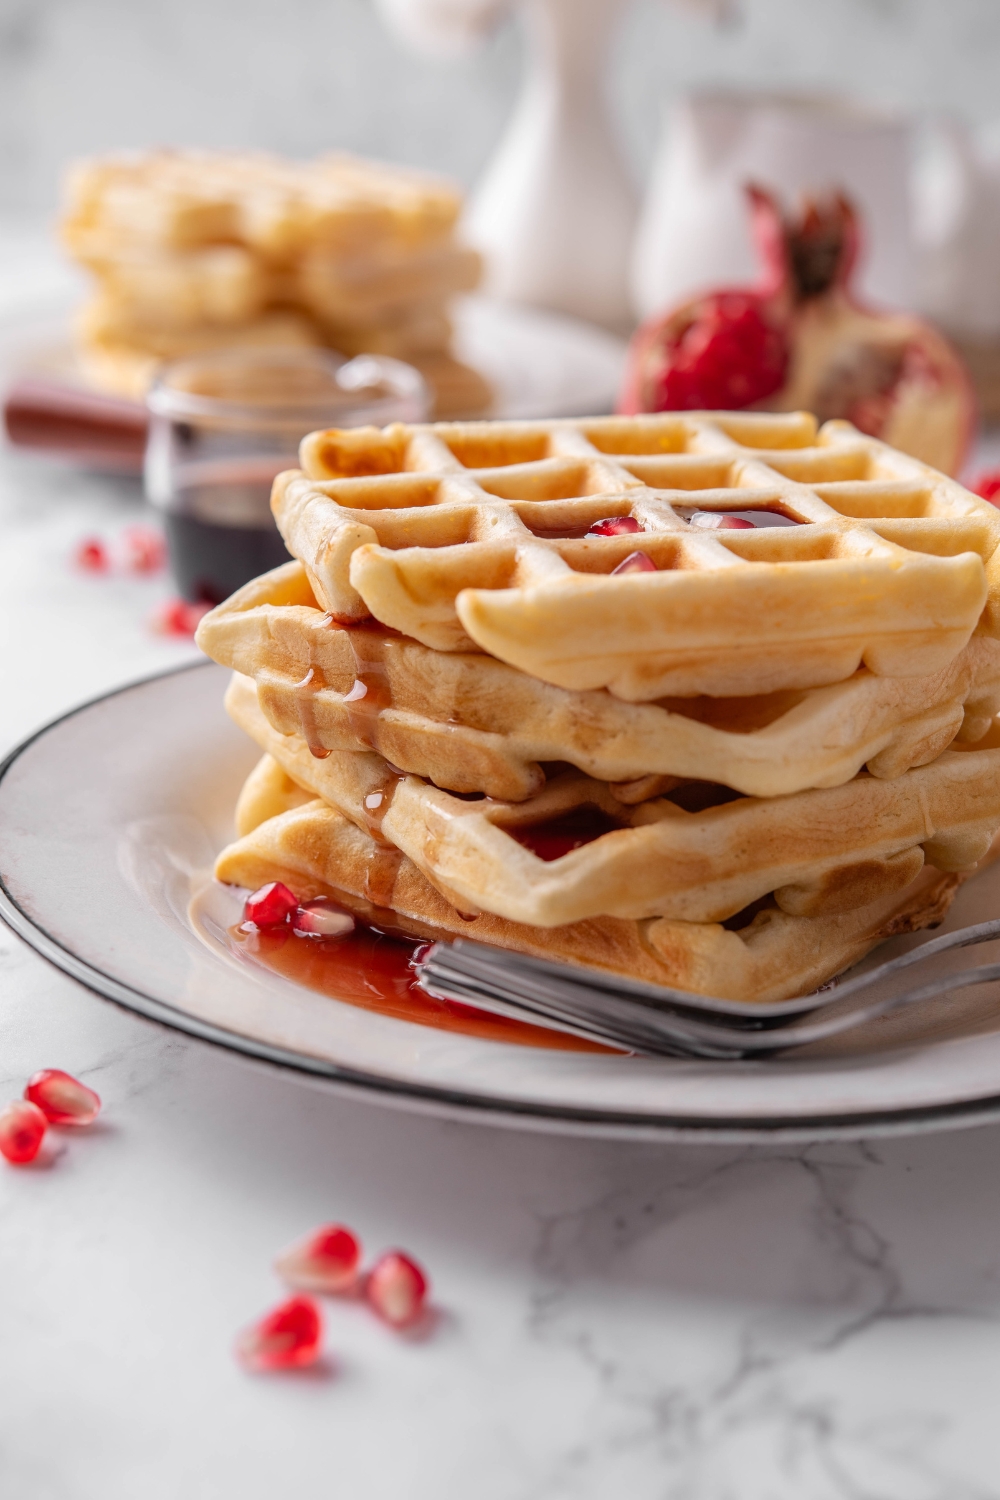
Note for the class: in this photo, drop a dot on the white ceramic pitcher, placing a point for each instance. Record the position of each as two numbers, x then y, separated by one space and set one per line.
694 232
555 211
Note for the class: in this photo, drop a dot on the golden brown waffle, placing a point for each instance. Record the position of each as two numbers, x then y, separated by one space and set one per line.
475 535
353 294
473 724
316 851
196 250
175 200
696 854
128 368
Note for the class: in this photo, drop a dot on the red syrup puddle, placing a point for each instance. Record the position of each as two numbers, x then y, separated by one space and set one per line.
559 836
372 970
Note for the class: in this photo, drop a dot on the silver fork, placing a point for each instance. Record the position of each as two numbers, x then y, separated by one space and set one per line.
661 1022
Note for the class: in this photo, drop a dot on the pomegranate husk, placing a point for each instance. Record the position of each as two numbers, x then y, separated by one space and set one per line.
801 339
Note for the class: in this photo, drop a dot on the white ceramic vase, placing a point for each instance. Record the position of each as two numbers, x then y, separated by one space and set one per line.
694 229
555 210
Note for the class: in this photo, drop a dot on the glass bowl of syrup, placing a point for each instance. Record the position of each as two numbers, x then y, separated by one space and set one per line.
223 425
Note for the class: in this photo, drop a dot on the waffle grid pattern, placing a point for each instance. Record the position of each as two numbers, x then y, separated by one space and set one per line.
474 535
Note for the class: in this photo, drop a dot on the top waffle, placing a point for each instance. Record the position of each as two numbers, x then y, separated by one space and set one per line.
476 535
181 200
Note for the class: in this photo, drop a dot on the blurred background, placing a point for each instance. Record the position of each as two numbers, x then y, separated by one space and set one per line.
601 150
82 76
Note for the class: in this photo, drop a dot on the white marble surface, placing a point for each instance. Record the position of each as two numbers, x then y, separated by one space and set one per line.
665 1323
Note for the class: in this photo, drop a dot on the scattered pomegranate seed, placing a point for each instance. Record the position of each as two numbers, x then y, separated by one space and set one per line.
91 555
145 549
636 562
178 617
988 486
325 1261
271 906
397 1288
713 520
321 919
615 526
22 1130
286 1338
62 1099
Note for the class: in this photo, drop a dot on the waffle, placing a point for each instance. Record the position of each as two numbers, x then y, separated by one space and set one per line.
177 200
194 250
362 291
470 723
695 854
128 367
317 851
471 535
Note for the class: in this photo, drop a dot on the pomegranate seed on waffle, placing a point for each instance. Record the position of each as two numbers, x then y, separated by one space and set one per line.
475 535
690 851
702 699
470 723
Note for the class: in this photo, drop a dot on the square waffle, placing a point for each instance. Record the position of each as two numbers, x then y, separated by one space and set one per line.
466 536
771 955
470 723
196 250
179 200
698 853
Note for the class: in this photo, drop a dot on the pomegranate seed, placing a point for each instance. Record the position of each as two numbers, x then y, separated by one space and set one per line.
178 617
22 1129
988 486
91 555
286 1338
615 526
728 355
271 906
714 520
397 1288
145 549
321 919
62 1099
636 562
325 1261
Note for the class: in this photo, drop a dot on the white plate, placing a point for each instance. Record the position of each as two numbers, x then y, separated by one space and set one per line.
110 817
540 364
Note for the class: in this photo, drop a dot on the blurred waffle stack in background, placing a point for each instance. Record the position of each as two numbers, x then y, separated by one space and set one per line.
193 251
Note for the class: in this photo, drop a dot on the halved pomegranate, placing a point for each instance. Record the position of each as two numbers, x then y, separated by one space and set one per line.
801 340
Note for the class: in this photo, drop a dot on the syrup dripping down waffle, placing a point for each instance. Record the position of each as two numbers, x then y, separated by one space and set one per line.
769 956
465 536
470 723
696 854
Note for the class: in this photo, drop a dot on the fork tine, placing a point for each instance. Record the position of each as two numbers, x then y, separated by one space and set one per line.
662 1022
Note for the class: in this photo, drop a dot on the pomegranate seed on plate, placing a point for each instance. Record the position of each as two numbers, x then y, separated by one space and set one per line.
91 555
615 526
325 1261
321 919
397 1288
22 1130
270 906
286 1338
178 617
713 520
62 1099
636 562
145 549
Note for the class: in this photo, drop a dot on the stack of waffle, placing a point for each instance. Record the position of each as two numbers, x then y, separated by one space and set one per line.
529 683
196 251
